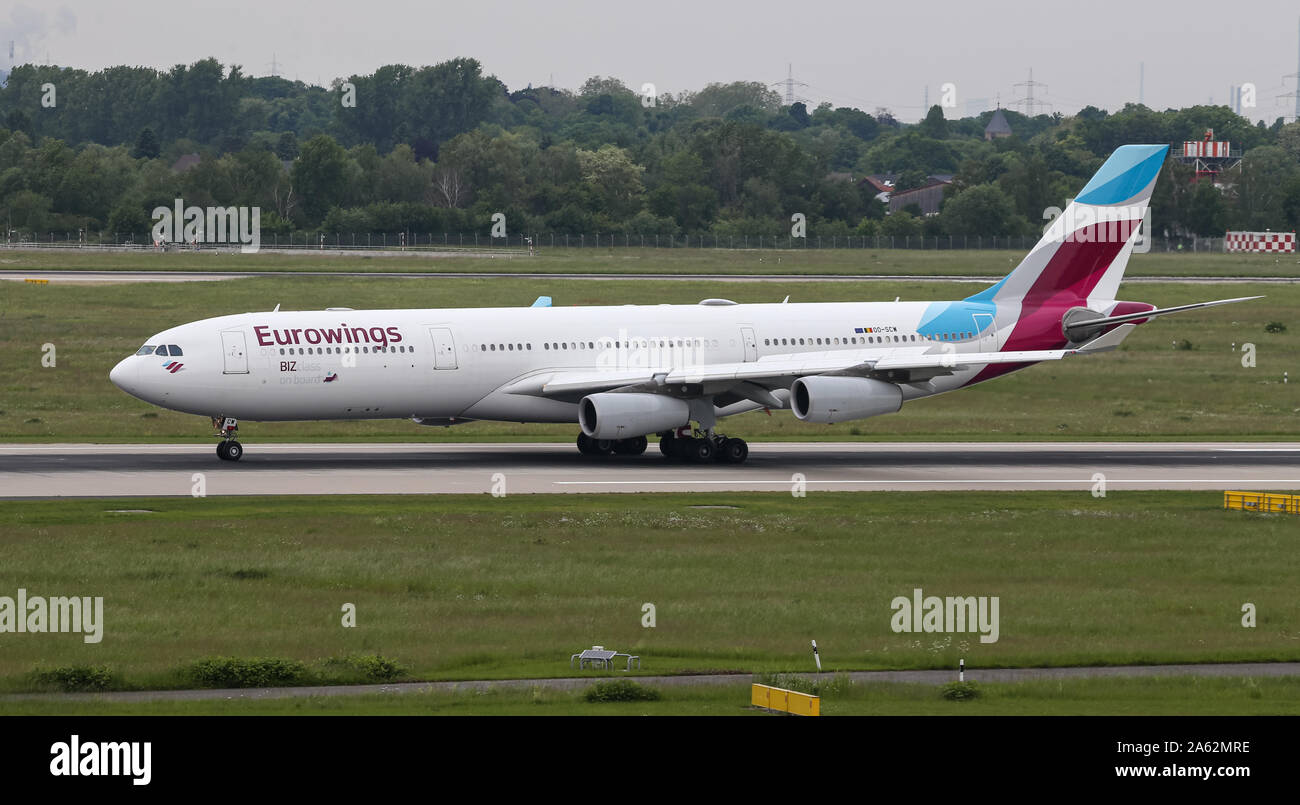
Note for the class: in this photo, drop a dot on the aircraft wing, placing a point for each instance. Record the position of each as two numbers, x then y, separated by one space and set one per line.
898 365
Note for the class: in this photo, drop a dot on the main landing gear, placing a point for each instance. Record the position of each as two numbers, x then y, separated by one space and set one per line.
682 445
708 446
228 449
604 447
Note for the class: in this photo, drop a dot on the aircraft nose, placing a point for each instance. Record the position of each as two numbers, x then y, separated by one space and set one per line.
126 375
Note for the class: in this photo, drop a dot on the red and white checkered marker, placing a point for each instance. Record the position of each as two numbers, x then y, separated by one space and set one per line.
1277 242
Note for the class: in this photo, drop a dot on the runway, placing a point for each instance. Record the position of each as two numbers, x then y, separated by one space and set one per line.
147 470
114 277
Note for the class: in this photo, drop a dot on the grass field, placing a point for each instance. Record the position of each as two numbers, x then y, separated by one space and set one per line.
1147 390
1166 696
474 587
659 261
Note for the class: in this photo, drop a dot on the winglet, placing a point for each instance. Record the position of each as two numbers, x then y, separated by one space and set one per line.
542 301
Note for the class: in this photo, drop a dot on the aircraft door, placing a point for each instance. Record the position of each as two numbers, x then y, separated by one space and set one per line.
444 348
750 342
988 333
234 351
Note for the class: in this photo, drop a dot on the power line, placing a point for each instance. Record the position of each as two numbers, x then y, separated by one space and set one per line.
1296 76
789 83
1028 101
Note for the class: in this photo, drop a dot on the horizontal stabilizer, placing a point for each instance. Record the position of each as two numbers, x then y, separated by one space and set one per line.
1085 325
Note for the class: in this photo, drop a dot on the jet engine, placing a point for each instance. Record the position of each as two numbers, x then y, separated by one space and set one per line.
830 399
612 415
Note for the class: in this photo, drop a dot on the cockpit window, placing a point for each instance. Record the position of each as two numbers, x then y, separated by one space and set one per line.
147 349
174 350
160 351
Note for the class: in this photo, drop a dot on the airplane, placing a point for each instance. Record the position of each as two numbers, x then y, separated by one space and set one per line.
626 373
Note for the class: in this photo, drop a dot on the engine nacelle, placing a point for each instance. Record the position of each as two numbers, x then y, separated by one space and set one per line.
611 415
830 399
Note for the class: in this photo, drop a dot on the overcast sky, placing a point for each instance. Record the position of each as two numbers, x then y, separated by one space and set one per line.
851 53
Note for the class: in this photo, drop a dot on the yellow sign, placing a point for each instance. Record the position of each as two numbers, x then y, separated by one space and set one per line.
785 701
1262 502
39 282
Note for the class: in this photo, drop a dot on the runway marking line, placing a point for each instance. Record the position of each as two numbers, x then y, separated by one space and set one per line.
1087 481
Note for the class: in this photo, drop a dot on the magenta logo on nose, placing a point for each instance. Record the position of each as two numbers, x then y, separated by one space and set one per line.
173 366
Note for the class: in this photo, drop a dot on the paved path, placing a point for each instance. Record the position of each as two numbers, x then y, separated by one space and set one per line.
1260 669
63 470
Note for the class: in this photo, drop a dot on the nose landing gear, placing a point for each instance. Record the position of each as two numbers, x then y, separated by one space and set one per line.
228 449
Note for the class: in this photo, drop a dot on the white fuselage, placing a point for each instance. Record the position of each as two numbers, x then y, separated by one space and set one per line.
455 364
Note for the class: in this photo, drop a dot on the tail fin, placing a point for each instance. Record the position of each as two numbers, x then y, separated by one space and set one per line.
1084 252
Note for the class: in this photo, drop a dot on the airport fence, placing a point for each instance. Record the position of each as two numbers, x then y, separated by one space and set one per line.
478 242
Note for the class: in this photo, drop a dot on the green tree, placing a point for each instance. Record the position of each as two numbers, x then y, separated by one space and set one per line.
146 145
980 210
286 148
1266 172
612 176
129 218
321 175
799 113
29 212
935 124
1206 210
900 224
716 100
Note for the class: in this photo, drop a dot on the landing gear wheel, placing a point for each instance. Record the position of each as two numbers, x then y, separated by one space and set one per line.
221 451
733 451
667 446
631 447
594 447
701 450
234 450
